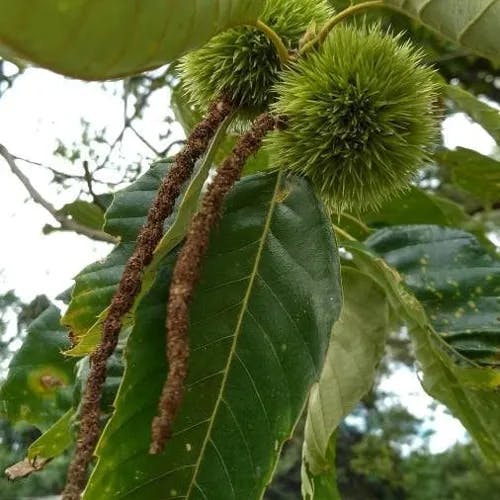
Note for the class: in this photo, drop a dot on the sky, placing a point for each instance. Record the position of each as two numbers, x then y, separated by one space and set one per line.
42 107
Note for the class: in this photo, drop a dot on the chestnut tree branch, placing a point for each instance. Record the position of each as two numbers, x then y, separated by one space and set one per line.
65 222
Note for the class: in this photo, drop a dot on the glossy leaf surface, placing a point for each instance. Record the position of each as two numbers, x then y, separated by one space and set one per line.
260 325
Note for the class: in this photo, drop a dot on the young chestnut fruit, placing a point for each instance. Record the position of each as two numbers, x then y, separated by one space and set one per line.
361 118
243 62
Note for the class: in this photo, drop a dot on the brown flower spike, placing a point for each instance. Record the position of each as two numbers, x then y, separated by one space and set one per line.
129 287
187 272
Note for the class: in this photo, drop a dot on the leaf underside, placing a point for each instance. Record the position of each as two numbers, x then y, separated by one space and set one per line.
113 38
356 347
472 24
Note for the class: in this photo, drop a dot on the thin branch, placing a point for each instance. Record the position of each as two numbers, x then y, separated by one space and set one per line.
275 39
167 150
50 169
143 139
89 180
353 9
65 222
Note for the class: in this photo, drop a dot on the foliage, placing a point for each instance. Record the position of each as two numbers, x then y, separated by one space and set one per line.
267 355
236 296
473 25
100 34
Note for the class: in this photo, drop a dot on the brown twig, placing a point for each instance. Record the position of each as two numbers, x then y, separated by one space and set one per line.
66 223
143 140
186 275
89 180
129 287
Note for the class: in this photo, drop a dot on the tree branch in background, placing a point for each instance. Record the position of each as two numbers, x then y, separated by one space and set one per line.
65 222
130 285
172 145
143 140
89 180
187 272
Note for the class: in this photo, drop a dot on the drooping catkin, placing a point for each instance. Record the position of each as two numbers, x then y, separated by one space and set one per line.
129 286
187 271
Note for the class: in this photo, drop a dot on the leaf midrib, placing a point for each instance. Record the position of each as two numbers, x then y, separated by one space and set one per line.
239 323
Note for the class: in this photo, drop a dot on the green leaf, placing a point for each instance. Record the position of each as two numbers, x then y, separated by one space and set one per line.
322 486
487 116
472 24
418 207
456 281
470 392
477 407
356 347
260 324
473 172
55 441
114 374
85 213
113 38
37 373
96 284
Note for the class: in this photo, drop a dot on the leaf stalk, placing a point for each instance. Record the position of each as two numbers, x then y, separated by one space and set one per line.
281 49
350 11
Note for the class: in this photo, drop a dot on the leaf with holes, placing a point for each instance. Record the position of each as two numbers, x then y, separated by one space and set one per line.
38 373
113 38
470 23
469 390
356 348
456 281
260 324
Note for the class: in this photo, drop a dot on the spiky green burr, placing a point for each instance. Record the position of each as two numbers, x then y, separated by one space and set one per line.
361 117
243 62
